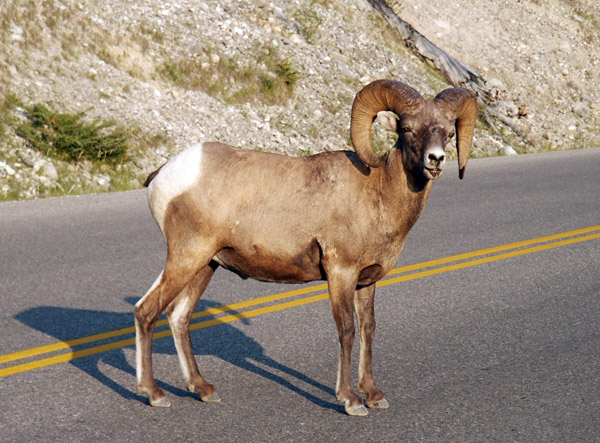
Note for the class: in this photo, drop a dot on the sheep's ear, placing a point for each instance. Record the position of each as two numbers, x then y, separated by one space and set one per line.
388 120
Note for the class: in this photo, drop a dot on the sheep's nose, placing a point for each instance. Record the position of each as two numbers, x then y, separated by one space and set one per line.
436 157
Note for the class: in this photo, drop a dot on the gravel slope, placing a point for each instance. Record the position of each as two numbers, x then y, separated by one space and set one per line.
175 72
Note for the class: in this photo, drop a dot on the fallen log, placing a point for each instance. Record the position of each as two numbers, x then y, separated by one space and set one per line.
456 73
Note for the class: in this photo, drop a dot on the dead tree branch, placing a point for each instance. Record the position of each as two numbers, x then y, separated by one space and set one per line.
456 72
511 125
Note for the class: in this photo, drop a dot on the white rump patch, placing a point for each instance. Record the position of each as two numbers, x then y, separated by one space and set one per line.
175 177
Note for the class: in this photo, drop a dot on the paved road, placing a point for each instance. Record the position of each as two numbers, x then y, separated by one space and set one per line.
501 344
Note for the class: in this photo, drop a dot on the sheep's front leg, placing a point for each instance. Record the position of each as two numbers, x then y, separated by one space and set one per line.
341 293
364 306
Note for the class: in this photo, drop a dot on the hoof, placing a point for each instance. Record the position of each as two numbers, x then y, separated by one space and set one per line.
212 398
161 402
379 404
155 395
356 411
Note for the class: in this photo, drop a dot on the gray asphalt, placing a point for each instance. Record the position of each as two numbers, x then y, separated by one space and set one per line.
503 351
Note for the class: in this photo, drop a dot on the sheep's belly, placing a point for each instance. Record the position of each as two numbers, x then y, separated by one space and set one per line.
301 268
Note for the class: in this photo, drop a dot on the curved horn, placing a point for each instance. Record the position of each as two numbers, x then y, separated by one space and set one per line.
462 105
380 95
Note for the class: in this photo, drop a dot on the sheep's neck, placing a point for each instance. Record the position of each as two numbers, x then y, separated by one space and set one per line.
404 197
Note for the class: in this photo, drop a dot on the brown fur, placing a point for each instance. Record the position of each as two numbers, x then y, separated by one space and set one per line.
275 218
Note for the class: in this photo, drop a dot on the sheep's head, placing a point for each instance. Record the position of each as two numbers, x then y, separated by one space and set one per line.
424 127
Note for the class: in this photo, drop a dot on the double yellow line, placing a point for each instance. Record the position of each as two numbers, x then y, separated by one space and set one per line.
229 313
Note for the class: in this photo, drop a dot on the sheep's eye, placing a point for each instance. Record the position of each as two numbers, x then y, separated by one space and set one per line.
406 130
450 135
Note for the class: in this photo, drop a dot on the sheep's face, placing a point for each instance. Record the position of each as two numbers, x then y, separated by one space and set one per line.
422 138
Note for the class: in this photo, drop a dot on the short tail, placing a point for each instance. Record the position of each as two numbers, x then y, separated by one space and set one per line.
151 176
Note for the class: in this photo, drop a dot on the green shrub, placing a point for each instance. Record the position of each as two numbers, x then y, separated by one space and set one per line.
270 78
309 21
7 106
286 72
68 137
267 84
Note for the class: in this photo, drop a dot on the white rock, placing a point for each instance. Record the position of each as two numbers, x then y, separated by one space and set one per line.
581 109
278 12
29 161
49 170
297 40
5 167
103 181
495 83
17 34
565 47
38 165
364 80
508 108
507 150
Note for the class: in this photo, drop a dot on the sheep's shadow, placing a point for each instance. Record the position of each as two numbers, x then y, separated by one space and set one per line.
223 341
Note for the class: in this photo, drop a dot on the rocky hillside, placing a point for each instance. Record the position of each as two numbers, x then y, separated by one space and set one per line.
277 75
541 57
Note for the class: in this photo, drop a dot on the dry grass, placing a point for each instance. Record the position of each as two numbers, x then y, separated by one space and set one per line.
268 78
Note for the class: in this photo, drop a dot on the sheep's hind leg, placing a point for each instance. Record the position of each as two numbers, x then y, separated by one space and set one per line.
169 284
179 313
365 313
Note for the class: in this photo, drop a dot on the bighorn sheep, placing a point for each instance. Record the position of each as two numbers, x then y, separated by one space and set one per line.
336 216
